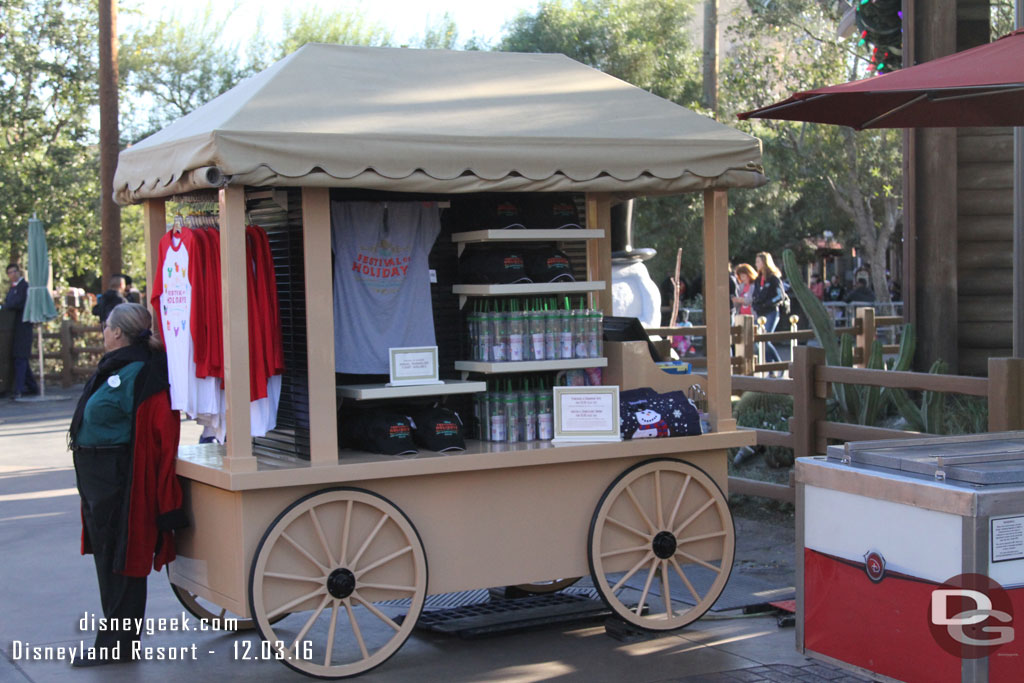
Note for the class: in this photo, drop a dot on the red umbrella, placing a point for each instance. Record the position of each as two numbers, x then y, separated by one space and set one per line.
982 86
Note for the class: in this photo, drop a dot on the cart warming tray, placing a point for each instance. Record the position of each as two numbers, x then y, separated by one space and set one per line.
911 558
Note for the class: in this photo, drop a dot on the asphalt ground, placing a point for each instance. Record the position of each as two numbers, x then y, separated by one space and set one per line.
46 587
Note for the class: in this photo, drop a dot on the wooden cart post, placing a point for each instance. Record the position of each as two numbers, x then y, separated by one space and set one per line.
716 310
235 308
154 221
316 243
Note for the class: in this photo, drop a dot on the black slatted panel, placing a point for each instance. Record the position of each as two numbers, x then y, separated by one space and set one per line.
284 230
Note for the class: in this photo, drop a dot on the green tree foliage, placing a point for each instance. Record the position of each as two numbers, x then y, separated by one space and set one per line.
48 162
441 35
650 44
822 177
168 67
342 27
644 42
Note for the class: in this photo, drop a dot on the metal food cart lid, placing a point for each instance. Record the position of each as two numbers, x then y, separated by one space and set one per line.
978 459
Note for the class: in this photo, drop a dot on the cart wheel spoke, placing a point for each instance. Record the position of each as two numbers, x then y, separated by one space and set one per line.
666 591
660 517
309 623
647 587
640 509
695 515
389 587
621 525
335 639
686 581
697 560
330 632
369 539
297 601
320 535
376 612
624 551
628 575
679 500
356 631
305 553
344 533
384 560
295 577
702 537
641 496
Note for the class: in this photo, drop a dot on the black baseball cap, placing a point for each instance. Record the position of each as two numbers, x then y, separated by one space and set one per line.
553 212
489 212
493 267
549 265
438 429
377 431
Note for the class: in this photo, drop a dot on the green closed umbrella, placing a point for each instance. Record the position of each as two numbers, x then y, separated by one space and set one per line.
39 306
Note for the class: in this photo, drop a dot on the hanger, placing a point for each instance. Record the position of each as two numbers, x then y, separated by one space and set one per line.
178 222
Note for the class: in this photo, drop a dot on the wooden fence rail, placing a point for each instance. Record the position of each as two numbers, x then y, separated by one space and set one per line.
78 348
809 384
746 339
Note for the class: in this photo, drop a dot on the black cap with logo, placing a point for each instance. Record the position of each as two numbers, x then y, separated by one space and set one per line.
493 266
376 431
549 264
438 429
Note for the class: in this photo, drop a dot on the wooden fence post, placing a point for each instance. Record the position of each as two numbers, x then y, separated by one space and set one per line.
67 375
1005 394
808 402
745 345
866 330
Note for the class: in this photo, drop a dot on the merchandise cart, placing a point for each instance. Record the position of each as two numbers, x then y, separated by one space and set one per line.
883 527
331 554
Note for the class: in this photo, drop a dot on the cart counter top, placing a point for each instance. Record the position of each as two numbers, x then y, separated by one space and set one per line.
205 462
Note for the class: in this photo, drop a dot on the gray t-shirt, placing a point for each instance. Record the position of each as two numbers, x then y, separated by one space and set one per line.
381 281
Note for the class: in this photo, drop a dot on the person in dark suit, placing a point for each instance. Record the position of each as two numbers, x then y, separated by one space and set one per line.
114 296
21 346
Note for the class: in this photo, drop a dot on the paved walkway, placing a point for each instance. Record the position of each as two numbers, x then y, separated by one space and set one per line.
46 587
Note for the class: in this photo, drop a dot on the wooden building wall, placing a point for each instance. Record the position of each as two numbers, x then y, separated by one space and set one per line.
958 191
984 246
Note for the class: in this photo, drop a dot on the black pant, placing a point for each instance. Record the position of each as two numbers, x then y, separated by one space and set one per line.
103 476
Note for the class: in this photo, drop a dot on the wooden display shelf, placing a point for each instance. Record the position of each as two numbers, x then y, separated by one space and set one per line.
366 392
518 235
529 365
529 289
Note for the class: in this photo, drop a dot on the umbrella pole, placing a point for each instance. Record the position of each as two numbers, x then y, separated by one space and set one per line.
42 372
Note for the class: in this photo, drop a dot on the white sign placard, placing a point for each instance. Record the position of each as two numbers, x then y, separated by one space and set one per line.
586 413
1007 539
413 365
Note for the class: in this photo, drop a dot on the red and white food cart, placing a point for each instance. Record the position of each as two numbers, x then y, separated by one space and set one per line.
911 558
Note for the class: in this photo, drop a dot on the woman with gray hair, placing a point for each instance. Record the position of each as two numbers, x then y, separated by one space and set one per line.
124 436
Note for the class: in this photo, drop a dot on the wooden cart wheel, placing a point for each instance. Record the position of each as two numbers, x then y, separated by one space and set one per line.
213 615
661 532
331 558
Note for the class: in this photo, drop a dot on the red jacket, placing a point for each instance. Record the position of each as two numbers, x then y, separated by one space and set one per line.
155 501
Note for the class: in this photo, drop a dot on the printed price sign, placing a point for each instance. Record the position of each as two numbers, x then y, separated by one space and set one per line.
586 413
413 365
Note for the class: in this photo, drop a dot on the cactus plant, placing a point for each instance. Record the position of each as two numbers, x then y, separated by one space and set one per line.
861 404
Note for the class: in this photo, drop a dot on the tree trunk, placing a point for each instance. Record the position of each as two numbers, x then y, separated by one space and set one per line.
710 98
110 213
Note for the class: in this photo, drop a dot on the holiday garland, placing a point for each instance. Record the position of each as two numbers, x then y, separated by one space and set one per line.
881 26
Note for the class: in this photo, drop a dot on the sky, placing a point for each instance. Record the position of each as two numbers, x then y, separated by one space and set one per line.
407 19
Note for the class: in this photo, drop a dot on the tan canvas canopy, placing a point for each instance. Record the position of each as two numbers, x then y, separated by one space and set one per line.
438 121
